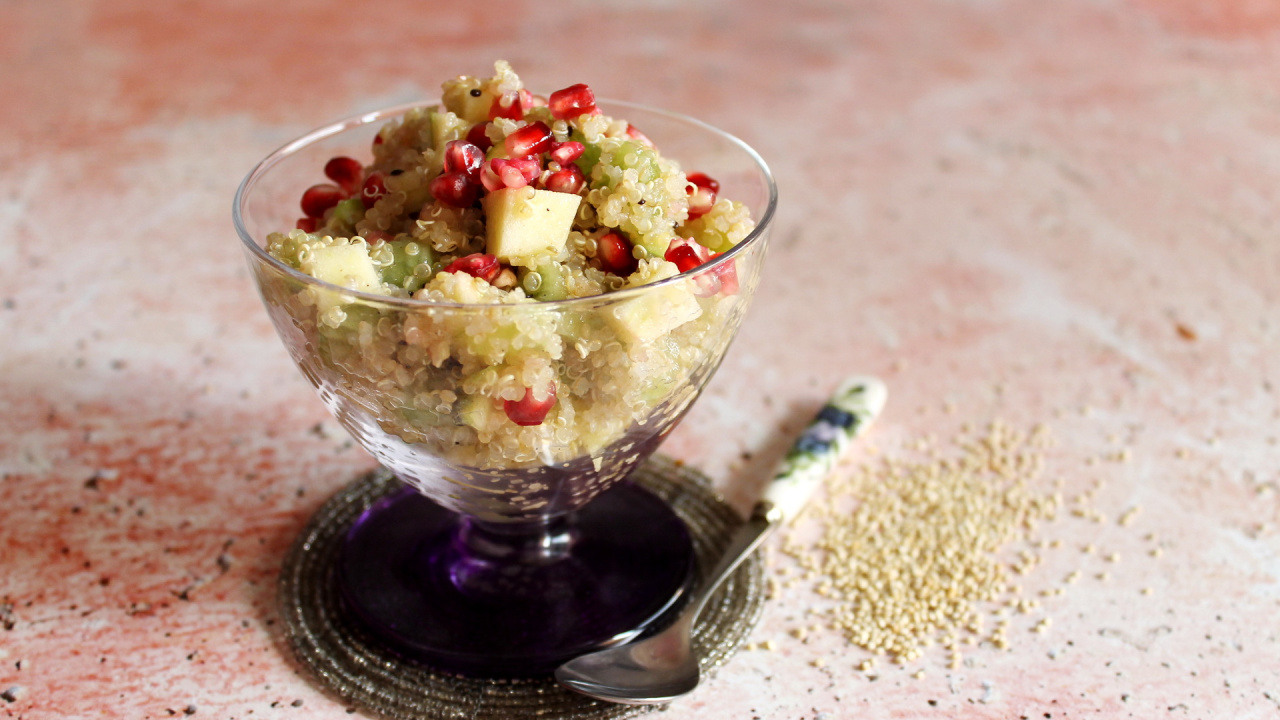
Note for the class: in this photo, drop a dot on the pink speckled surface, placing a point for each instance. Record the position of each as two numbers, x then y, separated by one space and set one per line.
1039 212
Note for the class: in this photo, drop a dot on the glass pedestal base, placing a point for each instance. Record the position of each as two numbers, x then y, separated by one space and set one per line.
487 600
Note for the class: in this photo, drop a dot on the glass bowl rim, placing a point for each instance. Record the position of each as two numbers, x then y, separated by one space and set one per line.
755 237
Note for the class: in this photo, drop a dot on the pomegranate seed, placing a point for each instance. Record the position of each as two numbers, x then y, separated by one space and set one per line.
530 168
683 255
702 194
373 236
307 224
377 140
529 140
463 157
319 198
528 411
347 172
569 180
455 189
514 108
485 267
500 173
489 176
571 102
701 180
375 186
478 137
701 200
728 274
640 137
614 252
566 152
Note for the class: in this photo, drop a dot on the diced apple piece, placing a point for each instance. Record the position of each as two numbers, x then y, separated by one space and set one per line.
657 312
347 266
525 225
458 99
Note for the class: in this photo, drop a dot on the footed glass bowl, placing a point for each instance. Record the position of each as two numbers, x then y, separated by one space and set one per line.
513 547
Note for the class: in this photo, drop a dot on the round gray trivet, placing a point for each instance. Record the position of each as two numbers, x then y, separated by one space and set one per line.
351 664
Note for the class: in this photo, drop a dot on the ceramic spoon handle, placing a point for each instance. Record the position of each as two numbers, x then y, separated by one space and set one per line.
813 456
849 411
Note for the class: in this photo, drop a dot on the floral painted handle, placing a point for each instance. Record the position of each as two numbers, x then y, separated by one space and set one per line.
813 455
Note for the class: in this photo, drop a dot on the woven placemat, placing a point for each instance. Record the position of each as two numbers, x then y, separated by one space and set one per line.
353 665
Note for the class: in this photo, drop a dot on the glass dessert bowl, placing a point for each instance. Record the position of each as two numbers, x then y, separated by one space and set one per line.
516 543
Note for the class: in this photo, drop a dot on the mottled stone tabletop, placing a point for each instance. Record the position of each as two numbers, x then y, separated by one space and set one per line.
1039 213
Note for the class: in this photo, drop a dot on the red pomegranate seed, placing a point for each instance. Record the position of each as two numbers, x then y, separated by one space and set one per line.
569 180
307 224
614 252
485 267
728 274
701 200
374 236
530 168
571 102
463 157
702 194
375 186
528 411
318 198
529 140
514 108
489 176
377 140
455 189
501 173
566 152
510 174
478 137
347 172
701 180
635 134
683 255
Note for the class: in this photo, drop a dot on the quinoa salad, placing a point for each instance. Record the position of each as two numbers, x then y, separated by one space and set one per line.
489 208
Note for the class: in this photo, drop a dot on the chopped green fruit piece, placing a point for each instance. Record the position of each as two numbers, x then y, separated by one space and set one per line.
342 220
550 284
590 153
526 226
446 126
655 244
724 226
425 419
352 316
477 411
631 155
412 265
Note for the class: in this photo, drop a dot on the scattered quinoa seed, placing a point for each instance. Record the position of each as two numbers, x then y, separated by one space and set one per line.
910 548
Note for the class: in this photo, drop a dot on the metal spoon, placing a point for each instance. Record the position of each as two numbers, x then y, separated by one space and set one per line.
664 666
